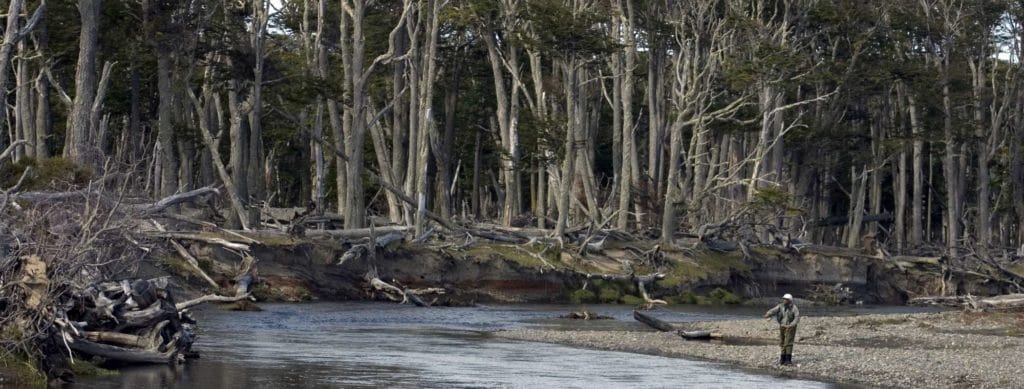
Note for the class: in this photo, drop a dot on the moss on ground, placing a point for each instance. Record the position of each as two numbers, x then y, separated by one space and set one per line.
700 266
609 294
286 293
718 296
632 300
88 369
582 296
519 254
20 372
46 173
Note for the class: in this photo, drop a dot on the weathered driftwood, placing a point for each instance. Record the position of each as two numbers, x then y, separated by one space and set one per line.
124 354
200 238
640 280
995 303
132 322
397 294
652 322
1004 302
146 208
210 298
585 315
176 199
189 259
697 335
664 326
363 249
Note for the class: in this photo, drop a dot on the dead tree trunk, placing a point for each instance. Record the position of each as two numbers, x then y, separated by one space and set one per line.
77 137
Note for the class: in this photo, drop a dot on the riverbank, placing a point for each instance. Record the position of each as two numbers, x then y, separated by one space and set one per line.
948 349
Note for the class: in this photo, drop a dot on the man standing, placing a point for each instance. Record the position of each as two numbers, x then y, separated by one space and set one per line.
788 317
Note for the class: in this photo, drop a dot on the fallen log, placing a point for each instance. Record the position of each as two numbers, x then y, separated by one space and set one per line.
131 322
664 326
189 259
640 281
946 301
995 303
1004 302
585 315
400 295
698 335
650 321
176 199
362 250
210 298
199 238
123 354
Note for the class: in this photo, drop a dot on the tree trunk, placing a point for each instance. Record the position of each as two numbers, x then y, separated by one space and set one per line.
254 171
571 74
355 209
12 35
44 122
77 141
24 115
630 176
239 136
949 162
860 184
428 133
917 197
165 128
672 188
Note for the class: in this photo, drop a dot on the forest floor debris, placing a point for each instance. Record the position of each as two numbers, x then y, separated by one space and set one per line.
935 350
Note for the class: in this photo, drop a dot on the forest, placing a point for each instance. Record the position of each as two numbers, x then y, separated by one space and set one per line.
818 121
183 132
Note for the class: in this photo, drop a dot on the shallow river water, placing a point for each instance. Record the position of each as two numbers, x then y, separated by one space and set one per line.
385 345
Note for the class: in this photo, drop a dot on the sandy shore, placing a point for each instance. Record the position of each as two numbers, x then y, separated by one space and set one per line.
949 349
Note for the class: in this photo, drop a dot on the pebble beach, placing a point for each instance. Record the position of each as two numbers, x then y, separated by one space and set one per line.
921 350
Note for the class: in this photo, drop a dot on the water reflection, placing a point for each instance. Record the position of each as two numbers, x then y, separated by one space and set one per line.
375 345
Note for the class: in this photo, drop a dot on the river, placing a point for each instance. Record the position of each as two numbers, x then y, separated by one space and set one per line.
328 345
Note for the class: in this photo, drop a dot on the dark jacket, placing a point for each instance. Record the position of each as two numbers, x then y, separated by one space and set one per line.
785 315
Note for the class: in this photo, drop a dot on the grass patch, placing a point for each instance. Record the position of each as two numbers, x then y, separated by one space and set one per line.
609 294
718 296
632 300
721 296
88 369
176 266
582 296
516 254
286 293
706 263
46 173
20 372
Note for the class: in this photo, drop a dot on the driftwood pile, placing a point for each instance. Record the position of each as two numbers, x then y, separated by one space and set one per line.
1007 302
132 321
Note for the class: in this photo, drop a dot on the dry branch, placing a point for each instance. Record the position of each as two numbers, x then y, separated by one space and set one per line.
210 298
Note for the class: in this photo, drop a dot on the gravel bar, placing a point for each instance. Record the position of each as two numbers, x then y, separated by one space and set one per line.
933 350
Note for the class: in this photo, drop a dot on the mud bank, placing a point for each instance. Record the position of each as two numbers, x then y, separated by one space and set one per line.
302 269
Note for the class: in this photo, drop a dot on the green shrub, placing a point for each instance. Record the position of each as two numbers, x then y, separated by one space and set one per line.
632 300
609 294
722 296
49 173
687 297
582 296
